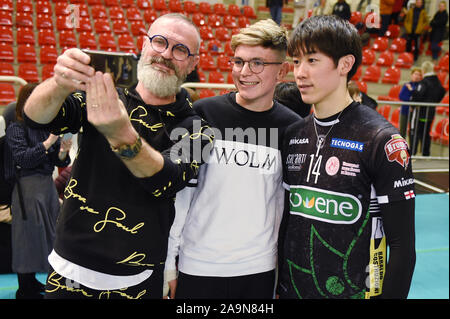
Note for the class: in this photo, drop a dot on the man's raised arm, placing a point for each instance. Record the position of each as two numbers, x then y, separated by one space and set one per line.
72 72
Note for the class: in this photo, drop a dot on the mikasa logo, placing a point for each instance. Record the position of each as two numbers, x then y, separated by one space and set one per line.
298 141
326 206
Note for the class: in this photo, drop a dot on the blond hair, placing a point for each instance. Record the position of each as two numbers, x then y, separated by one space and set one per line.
265 33
416 69
427 67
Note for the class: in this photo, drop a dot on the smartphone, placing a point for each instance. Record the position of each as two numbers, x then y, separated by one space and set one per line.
122 66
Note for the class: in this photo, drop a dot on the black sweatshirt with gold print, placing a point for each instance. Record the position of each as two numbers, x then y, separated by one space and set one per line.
112 221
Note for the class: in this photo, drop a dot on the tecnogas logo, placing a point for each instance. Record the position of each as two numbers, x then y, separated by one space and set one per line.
324 205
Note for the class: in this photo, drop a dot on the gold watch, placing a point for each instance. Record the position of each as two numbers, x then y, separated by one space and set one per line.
128 151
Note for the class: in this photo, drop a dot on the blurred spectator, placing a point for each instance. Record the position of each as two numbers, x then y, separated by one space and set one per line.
386 7
288 94
428 90
342 9
416 23
359 96
438 24
405 95
396 11
275 7
31 156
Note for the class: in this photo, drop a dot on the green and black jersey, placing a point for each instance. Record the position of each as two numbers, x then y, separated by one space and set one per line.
333 237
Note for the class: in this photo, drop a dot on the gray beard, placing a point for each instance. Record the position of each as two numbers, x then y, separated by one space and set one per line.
158 83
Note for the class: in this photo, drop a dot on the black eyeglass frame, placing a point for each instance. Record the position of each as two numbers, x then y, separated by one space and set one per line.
232 61
167 45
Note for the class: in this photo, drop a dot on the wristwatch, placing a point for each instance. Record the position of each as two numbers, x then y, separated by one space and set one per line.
128 151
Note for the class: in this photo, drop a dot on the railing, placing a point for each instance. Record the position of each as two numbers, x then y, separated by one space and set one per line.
15 79
424 136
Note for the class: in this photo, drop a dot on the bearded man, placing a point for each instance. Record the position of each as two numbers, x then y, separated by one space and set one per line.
112 234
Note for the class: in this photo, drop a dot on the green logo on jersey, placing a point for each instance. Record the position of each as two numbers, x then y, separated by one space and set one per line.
326 206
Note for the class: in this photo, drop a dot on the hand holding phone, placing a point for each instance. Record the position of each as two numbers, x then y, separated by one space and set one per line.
122 66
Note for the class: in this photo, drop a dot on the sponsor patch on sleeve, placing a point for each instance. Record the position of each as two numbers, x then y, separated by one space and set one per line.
396 150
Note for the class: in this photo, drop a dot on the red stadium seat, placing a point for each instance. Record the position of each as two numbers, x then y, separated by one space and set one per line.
223 63
120 26
84 25
107 42
249 12
228 50
392 75
112 3
214 21
6 69
243 22
216 77
25 36
64 23
199 19
385 110
380 44
26 53
443 63
205 8
440 131
24 6
99 12
393 31
6 34
47 71
62 8
94 2
175 6
102 26
48 54
7 93
368 57
230 78
215 47
358 73
355 17
201 76
206 32
190 7
362 86
144 4
126 43
395 117
372 74
23 19
116 13
220 9
44 7
67 39
150 15
127 3
398 45
138 28
6 52
222 34
159 5
44 21
404 60
133 14
207 63
233 9
393 94
206 93
385 58
28 72
229 22
87 41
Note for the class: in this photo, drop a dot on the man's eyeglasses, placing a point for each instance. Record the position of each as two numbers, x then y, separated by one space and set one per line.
255 65
159 43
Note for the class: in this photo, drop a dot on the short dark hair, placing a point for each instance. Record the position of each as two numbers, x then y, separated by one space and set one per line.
287 93
330 35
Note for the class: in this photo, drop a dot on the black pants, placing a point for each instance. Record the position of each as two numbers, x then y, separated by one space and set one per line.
413 37
255 286
59 287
